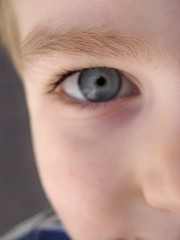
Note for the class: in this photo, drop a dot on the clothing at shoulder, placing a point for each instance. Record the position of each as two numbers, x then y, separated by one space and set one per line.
43 226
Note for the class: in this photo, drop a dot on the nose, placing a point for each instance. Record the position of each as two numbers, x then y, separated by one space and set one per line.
160 171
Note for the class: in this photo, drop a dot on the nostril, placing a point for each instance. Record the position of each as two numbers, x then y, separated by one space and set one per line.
159 195
152 199
152 190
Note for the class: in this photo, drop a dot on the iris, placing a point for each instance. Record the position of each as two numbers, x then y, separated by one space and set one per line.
100 84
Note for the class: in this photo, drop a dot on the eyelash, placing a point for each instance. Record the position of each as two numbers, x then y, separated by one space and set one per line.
81 105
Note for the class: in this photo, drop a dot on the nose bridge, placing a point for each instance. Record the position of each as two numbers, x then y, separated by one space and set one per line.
161 173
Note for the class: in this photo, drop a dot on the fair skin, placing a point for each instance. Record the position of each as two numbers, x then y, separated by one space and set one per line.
110 172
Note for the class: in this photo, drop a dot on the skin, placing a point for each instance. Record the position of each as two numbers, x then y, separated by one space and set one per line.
111 173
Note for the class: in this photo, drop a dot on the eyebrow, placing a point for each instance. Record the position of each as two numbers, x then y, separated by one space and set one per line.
95 42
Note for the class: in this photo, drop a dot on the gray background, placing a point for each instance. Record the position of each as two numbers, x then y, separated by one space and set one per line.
21 195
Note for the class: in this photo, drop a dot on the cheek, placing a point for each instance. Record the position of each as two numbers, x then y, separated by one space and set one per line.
82 157
76 162
80 170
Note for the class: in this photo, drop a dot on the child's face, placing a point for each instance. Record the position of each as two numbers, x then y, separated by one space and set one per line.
111 169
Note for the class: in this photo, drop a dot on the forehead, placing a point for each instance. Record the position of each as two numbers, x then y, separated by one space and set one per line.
129 14
158 20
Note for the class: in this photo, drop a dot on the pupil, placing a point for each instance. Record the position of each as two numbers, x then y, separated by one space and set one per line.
101 81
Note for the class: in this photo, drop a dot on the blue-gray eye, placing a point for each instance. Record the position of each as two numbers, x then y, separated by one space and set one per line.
100 84
97 85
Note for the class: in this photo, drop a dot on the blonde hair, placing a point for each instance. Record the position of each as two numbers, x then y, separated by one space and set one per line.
8 29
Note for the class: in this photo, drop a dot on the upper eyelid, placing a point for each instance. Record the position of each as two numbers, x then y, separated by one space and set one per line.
61 77
67 73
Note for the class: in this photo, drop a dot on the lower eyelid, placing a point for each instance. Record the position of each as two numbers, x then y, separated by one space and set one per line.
100 112
117 103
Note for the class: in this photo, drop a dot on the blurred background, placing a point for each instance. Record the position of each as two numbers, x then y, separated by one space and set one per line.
21 195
